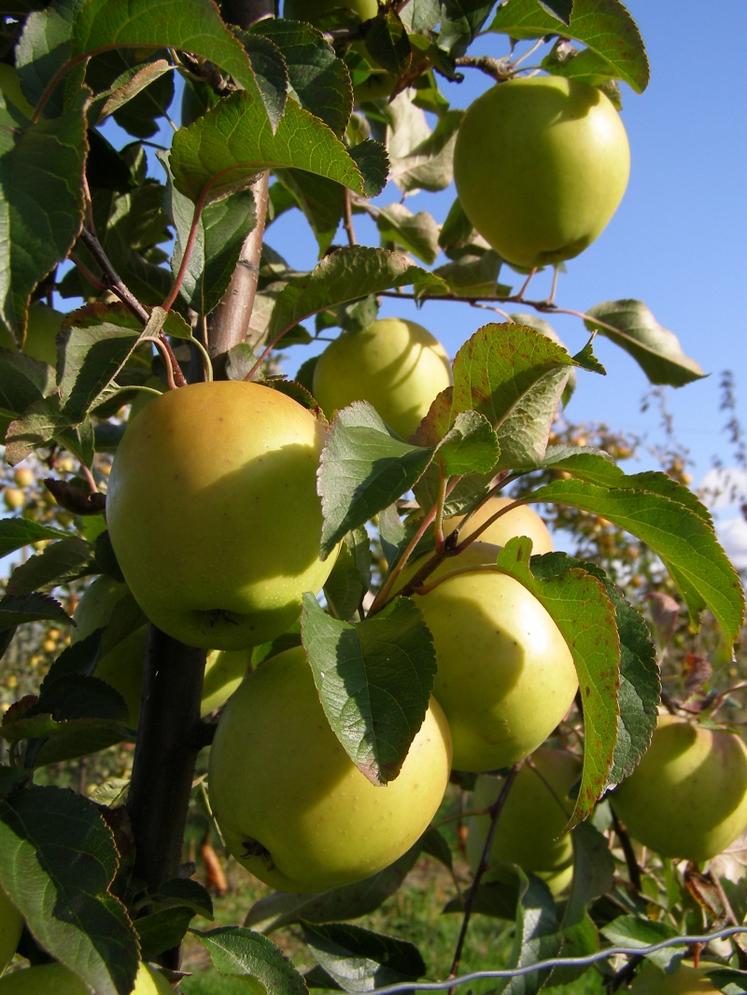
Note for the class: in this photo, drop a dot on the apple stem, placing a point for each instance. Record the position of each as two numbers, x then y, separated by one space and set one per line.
469 900
164 761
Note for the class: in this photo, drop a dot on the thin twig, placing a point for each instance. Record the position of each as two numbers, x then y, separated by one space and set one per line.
347 217
634 871
495 813
114 281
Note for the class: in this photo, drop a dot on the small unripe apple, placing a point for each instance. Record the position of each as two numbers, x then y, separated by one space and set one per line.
121 665
290 803
56 979
14 498
520 521
11 925
213 512
530 826
541 165
688 796
395 365
684 980
505 675
311 10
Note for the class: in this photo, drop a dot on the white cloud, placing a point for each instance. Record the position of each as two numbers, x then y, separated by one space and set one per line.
733 534
725 488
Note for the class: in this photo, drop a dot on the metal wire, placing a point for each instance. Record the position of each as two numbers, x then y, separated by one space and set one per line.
588 960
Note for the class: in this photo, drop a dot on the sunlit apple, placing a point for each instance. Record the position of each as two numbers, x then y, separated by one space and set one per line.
291 805
520 521
213 512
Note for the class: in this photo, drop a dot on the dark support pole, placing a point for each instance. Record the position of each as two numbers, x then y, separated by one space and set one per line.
164 756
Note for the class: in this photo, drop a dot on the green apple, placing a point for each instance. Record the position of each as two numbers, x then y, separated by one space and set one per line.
213 512
688 796
11 925
530 827
505 675
292 806
311 10
121 665
541 165
520 521
56 979
395 365
684 980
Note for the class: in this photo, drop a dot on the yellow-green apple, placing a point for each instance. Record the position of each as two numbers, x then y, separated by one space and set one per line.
121 664
505 675
530 826
290 803
213 512
688 796
520 521
11 925
684 980
395 365
312 10
14 498
56 979
541 165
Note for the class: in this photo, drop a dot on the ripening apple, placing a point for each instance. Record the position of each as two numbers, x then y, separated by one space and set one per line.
292 806
541 165
395 365
684 980
520 521
14 498
121 665
688 796
530 827
11 925
505 675
310 10
213 512
56 979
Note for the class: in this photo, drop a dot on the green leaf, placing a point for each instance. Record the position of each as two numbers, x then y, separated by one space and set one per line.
59 861
537 936
226 147
39 425
190 25
363 468
99 340
461 22
470 448
656 350
162 930
593 871
514 376
319 79
604 25
348 902
217 243
634 931
15 533
238 951
22 382
387 43
41 200
344 275
473 275
351 575
580 607
374 680
417 233
359 959
270 71
669 519
58 562
421 159
31 608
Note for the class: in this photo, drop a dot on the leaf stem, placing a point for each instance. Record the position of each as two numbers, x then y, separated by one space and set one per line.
188 249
